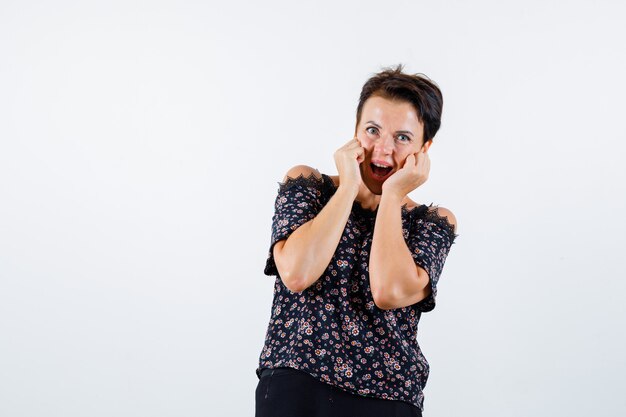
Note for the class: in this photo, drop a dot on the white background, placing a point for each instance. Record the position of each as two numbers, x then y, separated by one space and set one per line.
140 148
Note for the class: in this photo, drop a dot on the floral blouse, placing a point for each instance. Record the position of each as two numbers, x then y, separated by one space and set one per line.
333 330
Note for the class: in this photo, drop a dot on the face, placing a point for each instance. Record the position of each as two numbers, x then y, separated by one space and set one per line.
389 131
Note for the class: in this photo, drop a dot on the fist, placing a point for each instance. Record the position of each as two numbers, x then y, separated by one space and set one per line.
347 159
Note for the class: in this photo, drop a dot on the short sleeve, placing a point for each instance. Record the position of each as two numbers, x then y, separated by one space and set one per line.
298 201
430 241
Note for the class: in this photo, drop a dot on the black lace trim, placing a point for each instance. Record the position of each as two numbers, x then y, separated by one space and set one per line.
432 215
310 181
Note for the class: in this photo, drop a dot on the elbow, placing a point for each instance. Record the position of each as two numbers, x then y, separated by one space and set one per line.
293 281
394 296
292 284
382 298
296 274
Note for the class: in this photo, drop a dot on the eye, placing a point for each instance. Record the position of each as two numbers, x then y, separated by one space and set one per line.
371 130
404 138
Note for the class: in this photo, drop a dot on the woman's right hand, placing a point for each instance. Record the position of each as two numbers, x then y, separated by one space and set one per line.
348 159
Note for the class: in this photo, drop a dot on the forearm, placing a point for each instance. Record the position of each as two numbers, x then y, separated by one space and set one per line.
308 250
393 272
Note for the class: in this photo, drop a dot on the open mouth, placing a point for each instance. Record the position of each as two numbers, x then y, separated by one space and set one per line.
380 171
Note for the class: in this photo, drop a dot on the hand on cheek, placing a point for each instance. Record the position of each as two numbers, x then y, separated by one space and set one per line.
413 173
348 159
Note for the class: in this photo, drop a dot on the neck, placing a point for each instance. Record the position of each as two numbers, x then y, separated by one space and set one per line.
367 199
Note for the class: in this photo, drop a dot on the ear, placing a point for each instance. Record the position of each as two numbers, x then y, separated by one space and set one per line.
426 145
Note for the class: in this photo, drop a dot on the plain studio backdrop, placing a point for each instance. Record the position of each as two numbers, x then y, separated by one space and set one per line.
141 145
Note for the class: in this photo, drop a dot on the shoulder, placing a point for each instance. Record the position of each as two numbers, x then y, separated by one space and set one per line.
446 214
303 177
302 171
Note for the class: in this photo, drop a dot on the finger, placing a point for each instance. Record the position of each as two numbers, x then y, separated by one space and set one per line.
357 148
354 142
426 164
419 160
409 161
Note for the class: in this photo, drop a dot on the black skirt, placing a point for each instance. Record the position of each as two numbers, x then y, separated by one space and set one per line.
287 392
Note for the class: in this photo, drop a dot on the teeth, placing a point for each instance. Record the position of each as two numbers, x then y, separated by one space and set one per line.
380 166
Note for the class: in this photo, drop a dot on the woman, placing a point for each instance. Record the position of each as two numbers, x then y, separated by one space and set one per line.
356 263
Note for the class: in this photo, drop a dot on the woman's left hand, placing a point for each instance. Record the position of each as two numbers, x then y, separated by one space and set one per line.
413 173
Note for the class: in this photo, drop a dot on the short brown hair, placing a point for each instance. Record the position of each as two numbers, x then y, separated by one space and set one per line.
417 89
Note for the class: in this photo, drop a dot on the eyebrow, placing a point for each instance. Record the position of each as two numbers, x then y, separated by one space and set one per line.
398 131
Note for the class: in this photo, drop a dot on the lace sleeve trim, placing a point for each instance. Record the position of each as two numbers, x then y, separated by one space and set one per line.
310 182
432 215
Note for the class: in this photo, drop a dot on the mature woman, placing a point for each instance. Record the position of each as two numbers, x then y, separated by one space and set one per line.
356 263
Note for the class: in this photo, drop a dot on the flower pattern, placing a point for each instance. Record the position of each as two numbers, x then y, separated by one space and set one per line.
333 330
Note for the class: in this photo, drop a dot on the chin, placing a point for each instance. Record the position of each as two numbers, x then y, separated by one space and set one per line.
374 186
376 189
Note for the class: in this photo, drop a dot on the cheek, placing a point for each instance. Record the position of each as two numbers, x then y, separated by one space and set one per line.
402 157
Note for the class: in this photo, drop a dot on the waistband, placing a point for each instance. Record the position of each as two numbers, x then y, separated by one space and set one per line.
278 371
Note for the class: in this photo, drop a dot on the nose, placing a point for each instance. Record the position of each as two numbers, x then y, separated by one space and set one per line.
385 144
